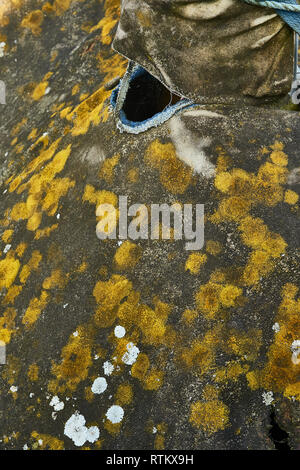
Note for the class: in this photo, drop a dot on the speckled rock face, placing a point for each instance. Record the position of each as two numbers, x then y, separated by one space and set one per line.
139 344
215 51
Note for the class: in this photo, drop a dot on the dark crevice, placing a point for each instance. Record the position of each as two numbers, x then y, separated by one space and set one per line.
278 436
146 97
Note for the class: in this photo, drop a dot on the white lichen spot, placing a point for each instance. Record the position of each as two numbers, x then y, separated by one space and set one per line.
99 386
131 355
120 331
276 327
57 404
267 398
40 441
2 46
154 430
295 347
75 333
76 430
115 414
13 389
108 368
25 447
6 249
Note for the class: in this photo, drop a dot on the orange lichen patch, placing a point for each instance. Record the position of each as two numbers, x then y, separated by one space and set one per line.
231 372
229 294
7 325
290 197
33 21
64 112
293 391
20 250
124 394
108 296
175 176
213 247
140 367
9 268
57 279
245 345
33 134
200 355
210 416
114 66
45 232
40 90
35 308
32 265
99 197
75 89
279 158
112 428
194 262
46 442
153 380
33 372
76 361
107 168
210 392
281 373
207 299
108 22
7 236
18 127
45 190
12 293
133 175
127 256
36 164
189 316
159 442
89 111
12 369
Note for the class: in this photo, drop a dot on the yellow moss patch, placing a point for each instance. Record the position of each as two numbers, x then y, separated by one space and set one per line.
7 325
7 236
124 394
33 21
76 361
36 305
9 268
33 372
39 91
213 247
107 168
175 176
229 294
290 197
127 255
32 265
207 299
210 416
194 262
47 442
189 316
